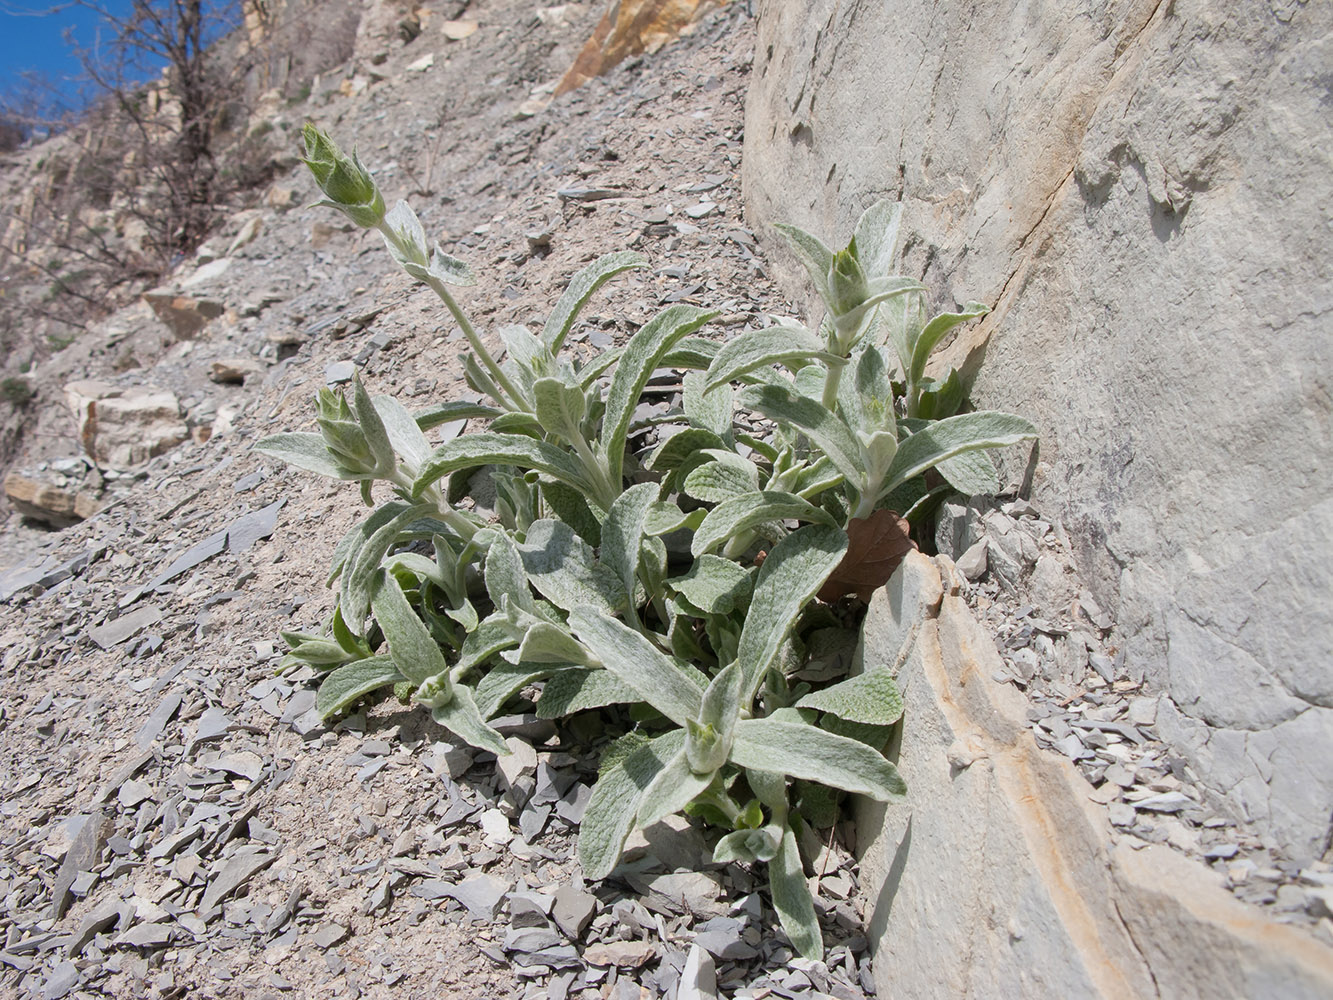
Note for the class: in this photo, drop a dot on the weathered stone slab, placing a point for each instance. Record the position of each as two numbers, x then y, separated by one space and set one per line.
185 315
53 505
125 427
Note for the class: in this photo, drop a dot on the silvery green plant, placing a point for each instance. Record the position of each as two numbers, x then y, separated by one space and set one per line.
839 395
615 577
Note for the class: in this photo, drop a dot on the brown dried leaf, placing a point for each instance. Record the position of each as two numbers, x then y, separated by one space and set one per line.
876 545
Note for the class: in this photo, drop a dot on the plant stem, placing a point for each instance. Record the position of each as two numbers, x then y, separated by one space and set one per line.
598 474
516 398
832 379
474 341
456 519
725 804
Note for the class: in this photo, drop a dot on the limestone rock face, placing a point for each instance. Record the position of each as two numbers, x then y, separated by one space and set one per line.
998 876
1140 191
125 427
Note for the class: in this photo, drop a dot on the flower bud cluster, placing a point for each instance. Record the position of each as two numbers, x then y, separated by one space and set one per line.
343 435
347 185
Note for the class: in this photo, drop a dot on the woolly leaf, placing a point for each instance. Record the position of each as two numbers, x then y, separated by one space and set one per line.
945 439
615 802
561 566
642 356
416 654
574 690
790 576
350 683
580 289
804 751
673 688
788 345
462 718
742 513
872 698
307 451
714 585
792 899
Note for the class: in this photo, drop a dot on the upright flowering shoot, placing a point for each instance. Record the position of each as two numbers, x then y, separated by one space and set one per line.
347 185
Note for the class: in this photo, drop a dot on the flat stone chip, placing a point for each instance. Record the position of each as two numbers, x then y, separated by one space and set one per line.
235 873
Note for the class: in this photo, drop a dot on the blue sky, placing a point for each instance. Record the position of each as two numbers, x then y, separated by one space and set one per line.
31 42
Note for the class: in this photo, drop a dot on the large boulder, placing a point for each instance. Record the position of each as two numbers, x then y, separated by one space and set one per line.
125 427
58 505
1141 192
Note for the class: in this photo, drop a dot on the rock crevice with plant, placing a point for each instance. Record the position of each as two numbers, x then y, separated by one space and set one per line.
691 579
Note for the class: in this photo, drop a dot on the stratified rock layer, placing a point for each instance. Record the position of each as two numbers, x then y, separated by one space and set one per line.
1000 877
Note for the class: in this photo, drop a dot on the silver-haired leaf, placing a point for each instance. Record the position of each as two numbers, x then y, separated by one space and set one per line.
503 681
792 900
492 636
673 688
791 575
504 574
362 573
453 412
811 251
971 473
812 419
720 710
615 802
692 354
871 697
866 398
580 289
449 269
560 408
462 718
804 751
547 643
641 358
561 566
665 517
350 683
407 245
572 507
488 448
791 346
404 433
945 439
416 654
480 380
676 450
372 426
741 513
305 450
575 690
726 477
675 787
934 332
705 410
622 533
876 236
748 845
714 585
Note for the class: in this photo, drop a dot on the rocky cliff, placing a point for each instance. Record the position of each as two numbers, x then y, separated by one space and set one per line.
1141 191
